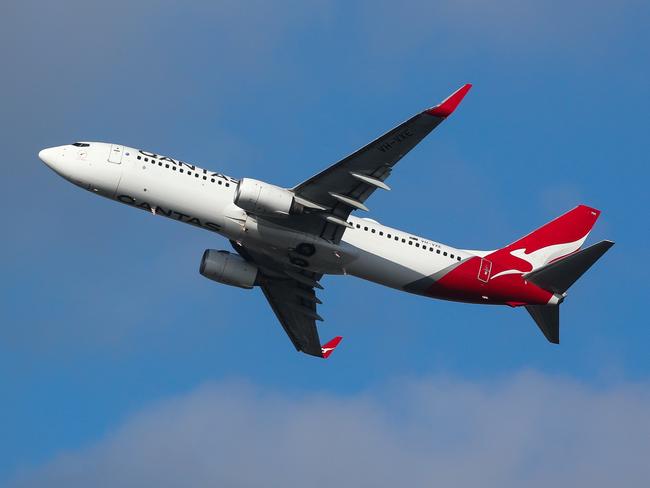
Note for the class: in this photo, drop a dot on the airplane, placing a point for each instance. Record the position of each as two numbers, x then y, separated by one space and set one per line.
286 239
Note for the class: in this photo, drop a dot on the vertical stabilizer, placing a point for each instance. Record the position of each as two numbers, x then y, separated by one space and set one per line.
554 240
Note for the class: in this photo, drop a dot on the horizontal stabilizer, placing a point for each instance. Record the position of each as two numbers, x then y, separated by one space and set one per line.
547 318
558 276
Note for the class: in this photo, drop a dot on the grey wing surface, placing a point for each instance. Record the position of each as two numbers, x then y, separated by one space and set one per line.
330 196
292 297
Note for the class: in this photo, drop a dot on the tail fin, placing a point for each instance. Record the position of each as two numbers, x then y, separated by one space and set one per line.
552 241
554 261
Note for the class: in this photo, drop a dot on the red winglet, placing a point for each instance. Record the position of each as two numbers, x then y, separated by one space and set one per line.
446 108
327 349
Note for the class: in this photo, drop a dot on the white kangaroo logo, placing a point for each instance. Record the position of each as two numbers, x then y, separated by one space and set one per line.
543 256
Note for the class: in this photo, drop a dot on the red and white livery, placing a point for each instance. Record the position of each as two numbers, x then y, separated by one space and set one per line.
286 239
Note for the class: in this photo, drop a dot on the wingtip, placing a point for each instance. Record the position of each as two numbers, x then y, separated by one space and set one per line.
447 107
329 347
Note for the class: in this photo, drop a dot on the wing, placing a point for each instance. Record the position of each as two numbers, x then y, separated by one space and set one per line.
292 297
332 194
294 308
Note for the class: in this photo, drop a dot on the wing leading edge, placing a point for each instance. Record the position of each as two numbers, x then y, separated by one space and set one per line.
331 195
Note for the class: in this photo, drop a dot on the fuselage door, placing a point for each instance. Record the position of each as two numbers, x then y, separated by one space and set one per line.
115 155
484 270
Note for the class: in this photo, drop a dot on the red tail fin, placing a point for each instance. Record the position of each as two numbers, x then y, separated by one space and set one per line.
572 226
557 239
328 348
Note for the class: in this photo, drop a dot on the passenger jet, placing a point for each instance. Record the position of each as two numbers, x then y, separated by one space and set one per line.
287 239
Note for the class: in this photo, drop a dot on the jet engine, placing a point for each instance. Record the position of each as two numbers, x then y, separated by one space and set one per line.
228 268
260 198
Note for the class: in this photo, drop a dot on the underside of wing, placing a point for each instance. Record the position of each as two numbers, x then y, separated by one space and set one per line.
330 196
291 294
295 307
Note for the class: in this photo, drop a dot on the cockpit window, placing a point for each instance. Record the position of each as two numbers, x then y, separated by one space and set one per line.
81 144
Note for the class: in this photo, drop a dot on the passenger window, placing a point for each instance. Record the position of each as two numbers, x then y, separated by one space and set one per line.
372 230
444 253
437 251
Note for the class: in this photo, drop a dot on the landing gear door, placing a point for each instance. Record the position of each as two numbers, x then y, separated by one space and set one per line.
484 270
115 155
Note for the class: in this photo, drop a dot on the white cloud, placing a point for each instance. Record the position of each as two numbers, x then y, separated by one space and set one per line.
529 429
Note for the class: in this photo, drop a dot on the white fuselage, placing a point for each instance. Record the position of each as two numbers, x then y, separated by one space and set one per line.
196 196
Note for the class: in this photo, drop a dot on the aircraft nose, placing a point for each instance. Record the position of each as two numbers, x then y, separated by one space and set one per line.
48 156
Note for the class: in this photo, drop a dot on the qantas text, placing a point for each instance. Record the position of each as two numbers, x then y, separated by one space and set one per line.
167 212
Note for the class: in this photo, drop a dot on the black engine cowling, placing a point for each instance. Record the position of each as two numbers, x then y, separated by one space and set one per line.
228 268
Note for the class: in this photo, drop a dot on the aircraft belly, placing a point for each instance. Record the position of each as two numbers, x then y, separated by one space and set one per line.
289 247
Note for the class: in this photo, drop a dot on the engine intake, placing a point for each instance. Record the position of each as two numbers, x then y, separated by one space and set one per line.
262 198
228 268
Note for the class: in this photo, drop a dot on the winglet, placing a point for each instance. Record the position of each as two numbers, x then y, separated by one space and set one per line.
446 108
327 349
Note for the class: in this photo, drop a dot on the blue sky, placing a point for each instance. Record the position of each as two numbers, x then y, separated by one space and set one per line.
113 346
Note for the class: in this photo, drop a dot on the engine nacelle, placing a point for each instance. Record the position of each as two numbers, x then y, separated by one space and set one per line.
260 198
228 268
